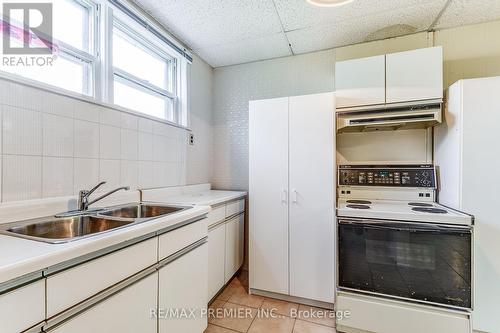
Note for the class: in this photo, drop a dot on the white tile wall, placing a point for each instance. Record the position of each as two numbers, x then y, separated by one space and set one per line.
53 145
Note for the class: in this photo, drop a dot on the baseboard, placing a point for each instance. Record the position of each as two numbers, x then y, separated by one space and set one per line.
292 299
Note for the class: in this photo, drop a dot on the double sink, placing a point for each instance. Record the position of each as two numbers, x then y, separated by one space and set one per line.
66 229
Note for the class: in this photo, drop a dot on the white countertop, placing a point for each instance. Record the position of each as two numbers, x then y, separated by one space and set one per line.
19 256
204 197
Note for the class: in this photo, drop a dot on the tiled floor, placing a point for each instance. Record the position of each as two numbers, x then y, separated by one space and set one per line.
235 310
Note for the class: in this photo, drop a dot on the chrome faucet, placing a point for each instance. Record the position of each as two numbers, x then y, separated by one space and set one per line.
83 196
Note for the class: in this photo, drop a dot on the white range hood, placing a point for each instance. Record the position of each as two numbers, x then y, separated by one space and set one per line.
390 116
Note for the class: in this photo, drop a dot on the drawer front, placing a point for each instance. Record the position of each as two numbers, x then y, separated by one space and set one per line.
386 316
178 239
74 285
22 308
235 207
128 311
216 215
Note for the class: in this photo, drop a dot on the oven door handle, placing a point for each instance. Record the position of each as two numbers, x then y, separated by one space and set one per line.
410 227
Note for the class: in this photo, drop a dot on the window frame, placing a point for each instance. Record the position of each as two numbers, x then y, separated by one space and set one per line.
99 73
129 32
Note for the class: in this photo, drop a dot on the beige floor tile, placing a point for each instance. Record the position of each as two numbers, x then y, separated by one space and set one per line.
316 315
235 317
274 325
229 291
243 298
307 327
217 304
217 329
280 307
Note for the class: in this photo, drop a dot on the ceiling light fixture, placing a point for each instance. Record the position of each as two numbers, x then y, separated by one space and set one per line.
329 3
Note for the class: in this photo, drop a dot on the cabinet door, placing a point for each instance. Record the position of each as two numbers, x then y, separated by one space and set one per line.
360 82
183 286
312 197
29 299
268 188
216 259
128 311
234 245
415 75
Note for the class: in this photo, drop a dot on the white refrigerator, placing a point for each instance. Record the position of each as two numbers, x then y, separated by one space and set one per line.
467 152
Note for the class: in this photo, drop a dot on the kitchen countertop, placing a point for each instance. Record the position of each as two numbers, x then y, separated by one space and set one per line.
20 256
203 197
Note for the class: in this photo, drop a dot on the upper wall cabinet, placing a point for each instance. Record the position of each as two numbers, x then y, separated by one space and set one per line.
360 82
414 75
393 78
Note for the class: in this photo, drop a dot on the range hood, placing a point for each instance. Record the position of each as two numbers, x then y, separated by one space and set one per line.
390 117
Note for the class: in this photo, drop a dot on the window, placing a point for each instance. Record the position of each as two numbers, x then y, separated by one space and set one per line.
72 67
109 51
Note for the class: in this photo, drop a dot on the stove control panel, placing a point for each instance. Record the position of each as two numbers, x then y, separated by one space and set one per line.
393 176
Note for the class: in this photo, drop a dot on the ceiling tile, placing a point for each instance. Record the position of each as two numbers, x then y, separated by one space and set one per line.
247 50
358 30
205 23
298 14
463 12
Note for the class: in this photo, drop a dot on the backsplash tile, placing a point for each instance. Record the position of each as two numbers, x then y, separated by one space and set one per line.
110 142
86 139
86 174
109 172
22 131
54 145
57 177
22 177
58 136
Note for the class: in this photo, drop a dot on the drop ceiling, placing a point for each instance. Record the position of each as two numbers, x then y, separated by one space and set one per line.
228 32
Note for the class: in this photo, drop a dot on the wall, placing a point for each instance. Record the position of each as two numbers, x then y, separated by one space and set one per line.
236 85
54 145
199 156
471 51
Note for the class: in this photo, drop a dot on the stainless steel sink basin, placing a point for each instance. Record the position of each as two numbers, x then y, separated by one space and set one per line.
141 211
56 230
67 229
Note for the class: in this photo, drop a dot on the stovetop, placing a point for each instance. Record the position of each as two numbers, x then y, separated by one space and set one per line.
411 211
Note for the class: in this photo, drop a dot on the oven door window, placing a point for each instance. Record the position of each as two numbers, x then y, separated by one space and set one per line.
412 261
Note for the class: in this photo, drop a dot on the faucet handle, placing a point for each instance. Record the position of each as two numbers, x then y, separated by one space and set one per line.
87 193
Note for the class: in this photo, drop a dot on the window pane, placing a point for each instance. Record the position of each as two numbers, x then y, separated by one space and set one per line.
71 23
63 73
139 100
133 58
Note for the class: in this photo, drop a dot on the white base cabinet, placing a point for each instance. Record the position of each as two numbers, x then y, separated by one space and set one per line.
22 308
216 259
183 287
128 311
235 231
226 244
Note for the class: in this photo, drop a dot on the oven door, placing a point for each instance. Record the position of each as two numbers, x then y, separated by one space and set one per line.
416 261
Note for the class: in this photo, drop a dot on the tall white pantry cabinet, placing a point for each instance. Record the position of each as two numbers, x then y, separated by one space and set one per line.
292 196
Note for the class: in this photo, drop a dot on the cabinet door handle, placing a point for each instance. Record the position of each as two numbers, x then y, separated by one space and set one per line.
284 196
295 195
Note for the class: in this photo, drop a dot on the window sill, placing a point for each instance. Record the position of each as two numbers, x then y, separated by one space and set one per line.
92 100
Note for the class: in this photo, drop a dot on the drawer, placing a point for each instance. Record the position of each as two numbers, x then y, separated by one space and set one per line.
22 308
74 285
387 316
178 239
217 214
235 207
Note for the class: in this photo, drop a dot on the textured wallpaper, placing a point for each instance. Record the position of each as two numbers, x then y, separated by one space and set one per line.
235 86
